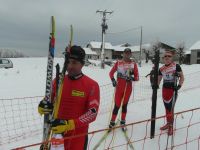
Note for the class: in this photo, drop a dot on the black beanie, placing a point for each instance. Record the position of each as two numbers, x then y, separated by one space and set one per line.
77 53
127 50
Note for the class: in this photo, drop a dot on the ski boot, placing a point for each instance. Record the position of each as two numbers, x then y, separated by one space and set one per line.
165 127
170 130
122 123
111 125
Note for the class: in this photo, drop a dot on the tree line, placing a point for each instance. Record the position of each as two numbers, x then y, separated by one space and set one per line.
10 53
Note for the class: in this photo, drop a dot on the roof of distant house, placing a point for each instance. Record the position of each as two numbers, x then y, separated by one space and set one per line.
88 51
124 45
133 48
95 44
193 47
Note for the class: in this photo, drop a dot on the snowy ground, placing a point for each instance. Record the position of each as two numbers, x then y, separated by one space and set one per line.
27 79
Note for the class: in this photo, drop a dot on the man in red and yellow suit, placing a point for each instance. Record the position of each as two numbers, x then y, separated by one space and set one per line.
170 72
79 103
127 71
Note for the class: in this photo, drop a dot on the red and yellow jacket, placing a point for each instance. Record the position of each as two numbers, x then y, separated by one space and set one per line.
79 100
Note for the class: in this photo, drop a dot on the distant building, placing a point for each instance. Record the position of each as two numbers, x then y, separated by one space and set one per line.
148 51
116 52
192 56
90 54
97 47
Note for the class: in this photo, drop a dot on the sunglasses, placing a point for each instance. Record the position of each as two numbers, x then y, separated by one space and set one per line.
167 56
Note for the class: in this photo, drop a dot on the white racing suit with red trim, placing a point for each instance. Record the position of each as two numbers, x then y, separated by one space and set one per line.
80 102
168 74
124 87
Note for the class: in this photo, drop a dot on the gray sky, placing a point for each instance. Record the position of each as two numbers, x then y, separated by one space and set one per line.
25 24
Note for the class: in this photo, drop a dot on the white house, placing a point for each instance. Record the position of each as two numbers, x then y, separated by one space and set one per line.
90 54
97 47
118 50
193 54
115 52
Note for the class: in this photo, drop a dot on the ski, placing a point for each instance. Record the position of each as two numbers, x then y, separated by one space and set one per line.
59 84
49 75
103 138
128 139
59 91
105 135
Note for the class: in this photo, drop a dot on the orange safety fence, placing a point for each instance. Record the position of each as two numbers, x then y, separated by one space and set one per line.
140 138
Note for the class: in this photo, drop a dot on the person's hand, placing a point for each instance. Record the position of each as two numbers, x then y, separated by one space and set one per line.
61 126
45 107
178 87
130 79
176 74
114 83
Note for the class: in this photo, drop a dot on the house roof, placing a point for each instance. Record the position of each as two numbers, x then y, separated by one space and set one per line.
193 47
95 44
88 51
133 48
124 45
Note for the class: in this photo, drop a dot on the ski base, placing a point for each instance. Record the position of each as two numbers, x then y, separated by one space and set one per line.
128 139
102 139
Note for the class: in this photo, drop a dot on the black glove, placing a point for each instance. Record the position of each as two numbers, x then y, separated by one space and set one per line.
131 72
114 83
155 86
45 107
130 79
178 87
176 74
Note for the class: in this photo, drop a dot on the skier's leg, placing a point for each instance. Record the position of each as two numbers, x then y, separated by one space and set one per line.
118 97
167 100
71 143
114 115
125 101
124 111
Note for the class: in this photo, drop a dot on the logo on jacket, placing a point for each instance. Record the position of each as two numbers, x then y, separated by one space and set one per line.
78 93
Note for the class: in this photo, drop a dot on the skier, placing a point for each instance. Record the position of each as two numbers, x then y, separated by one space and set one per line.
169 72
127 71
78 105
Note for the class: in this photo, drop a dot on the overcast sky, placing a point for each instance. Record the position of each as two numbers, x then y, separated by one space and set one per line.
25 24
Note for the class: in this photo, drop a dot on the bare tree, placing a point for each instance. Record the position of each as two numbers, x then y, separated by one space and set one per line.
10 53
180 52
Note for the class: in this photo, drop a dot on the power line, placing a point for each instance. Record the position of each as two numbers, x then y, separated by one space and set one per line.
135 28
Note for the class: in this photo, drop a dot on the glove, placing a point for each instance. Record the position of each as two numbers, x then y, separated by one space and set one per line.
114 83
178 87
155 86
176 74
61 126
131 72
45 107
130 79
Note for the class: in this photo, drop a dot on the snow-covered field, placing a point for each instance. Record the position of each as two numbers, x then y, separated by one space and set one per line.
28 77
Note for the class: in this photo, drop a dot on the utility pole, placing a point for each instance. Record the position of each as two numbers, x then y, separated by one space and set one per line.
104 28
140 62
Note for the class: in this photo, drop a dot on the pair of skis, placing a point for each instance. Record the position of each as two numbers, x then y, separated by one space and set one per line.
47 117
105 135
47 133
